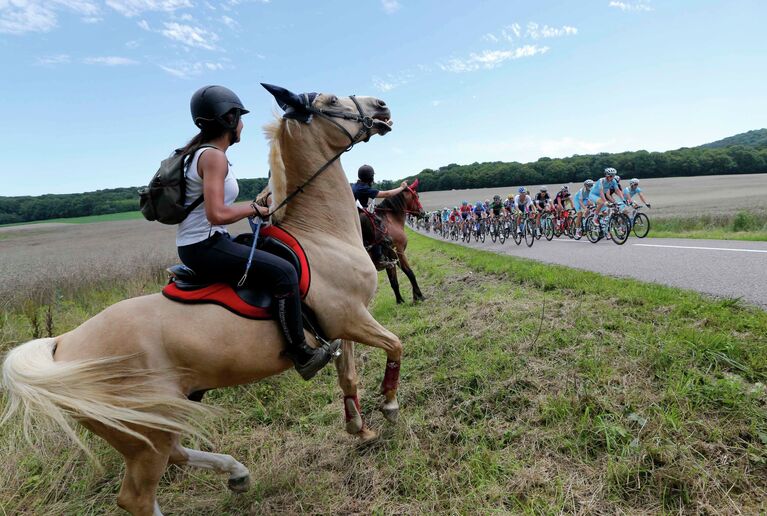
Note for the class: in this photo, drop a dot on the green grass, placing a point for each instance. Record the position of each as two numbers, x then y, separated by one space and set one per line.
127 215
526 388
743 225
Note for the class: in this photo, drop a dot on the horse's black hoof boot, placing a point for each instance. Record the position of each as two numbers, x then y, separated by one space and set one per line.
320 357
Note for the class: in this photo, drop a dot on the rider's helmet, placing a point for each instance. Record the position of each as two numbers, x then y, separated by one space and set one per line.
510 196
464 203
588 183
610 172
366 174
565 188
213 103
497 198
617 178
522 190
478 204
544 189
487 201
634 182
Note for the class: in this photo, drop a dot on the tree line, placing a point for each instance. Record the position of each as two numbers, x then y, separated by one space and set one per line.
697 161
100 202
710 159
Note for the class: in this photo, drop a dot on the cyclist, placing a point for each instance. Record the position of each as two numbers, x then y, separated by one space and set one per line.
633 189
523 203
454 215
479 214
508 204
496 206
601 189
581 202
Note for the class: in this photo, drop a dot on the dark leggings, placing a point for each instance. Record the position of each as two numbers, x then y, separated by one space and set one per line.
221 259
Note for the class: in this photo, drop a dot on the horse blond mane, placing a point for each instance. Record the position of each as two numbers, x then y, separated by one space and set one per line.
278 181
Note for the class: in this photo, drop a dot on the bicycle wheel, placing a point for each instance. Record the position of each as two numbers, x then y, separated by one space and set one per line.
641 225
516 232
493 230
619 228
593 231
501 233
529 233
547 227
482 231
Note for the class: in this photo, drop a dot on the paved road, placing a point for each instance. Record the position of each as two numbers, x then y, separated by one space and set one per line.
722 268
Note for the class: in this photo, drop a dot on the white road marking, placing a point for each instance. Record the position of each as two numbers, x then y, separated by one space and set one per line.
704 248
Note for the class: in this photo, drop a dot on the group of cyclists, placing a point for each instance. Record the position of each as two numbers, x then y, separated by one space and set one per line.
601 208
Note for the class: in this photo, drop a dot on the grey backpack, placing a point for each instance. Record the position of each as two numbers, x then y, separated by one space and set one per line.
163 200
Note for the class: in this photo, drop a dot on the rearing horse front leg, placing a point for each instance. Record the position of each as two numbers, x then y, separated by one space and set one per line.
370 332
347 379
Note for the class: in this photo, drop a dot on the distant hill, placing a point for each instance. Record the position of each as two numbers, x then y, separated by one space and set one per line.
755 138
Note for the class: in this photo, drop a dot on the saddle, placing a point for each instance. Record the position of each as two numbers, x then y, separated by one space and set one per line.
185 286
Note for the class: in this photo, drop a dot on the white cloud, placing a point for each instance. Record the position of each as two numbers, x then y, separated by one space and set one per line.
135 7
390 6
489 59
143 24
20 16
185 70
53 59
230 22
109 61
490 37
638 5
190 36
382 85
513 33
436 103
134 43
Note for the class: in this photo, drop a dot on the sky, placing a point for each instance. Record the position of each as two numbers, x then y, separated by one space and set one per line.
94 94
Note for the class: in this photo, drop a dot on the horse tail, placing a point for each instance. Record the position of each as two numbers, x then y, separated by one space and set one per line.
48 395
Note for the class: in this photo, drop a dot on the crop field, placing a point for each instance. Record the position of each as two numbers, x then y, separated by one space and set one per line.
670 197
537 393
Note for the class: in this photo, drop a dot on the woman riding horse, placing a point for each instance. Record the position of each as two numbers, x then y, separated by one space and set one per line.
203 242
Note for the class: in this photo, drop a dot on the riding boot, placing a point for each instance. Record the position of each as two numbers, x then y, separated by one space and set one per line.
308 360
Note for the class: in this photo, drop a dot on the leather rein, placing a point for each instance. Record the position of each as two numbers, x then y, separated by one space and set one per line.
366 125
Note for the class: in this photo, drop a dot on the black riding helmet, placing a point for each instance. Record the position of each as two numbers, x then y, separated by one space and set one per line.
211 103
365 174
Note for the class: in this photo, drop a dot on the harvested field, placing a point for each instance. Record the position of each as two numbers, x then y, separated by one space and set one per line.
35 256
670 197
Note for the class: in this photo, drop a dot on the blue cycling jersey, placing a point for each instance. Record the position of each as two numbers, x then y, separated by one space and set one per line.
627 192
602 185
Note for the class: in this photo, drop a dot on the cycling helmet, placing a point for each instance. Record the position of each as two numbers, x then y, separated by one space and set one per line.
588 183
496 197
365 174
565 188
464 203
478 204
617 178
634 182
522 190
610 171
544 189
455 208
212 103
510 196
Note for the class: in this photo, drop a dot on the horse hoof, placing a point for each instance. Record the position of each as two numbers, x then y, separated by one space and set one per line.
400 301
354 426
390 411
239 484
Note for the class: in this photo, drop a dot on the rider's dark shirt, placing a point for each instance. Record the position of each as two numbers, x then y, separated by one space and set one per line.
363 193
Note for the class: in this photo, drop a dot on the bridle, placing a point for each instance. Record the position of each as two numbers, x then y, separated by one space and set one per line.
408 207
366 125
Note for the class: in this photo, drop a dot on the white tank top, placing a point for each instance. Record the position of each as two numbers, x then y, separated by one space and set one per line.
196 227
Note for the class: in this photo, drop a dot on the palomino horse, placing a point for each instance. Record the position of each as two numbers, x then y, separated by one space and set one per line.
126 373
393 212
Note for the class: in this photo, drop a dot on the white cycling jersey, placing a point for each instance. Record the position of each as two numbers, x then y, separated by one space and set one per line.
528 203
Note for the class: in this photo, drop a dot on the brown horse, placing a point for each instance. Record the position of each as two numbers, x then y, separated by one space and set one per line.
393 212
126 374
